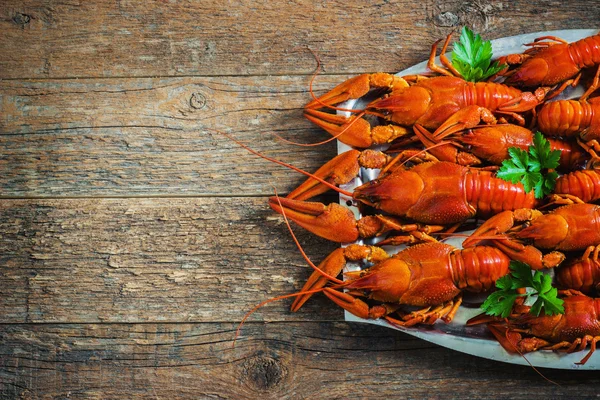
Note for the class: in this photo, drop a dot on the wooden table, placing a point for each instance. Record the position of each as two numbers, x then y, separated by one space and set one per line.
135 237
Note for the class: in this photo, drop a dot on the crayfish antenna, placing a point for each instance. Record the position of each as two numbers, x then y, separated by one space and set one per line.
507 339
304 255
316 217
312 93
329 278
320 277
345 129
284 164
265 302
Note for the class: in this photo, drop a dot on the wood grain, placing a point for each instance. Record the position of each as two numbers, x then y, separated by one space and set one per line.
150 260
57 39
133 238
152 137
270 361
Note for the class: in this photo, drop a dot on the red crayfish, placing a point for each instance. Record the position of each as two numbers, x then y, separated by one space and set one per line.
582 273
571 331
468 142
429 275
521 233
551 60
427 101
435 193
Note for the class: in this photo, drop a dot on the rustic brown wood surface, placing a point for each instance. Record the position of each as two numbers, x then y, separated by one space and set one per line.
134 237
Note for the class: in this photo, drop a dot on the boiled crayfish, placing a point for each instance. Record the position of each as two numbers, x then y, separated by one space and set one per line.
551 60
572 331
426 101
469 141
520 234
419 193
433 193
581 273
429 275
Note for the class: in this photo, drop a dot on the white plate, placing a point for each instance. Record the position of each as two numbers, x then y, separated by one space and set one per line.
475 340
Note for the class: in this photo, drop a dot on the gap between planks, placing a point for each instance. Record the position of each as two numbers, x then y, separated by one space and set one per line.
83 78
139 196
186 322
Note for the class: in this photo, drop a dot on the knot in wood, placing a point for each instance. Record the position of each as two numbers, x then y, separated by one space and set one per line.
446 19
263 372
21 19
197 101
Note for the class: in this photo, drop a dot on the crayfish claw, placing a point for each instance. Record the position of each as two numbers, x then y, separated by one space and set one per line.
354 305
333 222
332 266
353 131
353 88
339 170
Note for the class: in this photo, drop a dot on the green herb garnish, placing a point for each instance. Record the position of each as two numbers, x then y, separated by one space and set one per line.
471 57
534 169
500 302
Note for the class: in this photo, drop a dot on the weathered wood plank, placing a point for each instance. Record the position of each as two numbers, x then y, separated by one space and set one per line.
127 38
128 137
167 259
270 361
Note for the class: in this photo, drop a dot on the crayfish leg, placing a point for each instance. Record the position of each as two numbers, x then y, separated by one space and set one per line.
333 265
495 229
452 312
356 306
446 151
562 200
591 146
546 41
332 222
378 225
594 340
450 71
429 315
512 341
354 131
569 82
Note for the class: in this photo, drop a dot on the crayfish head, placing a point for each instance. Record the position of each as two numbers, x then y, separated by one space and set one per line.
395 193
547 231
387 281
531 73
550 66
491 142
404 106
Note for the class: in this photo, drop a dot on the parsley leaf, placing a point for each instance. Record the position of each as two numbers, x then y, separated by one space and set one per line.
534 169
471 57
541 152
500 302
